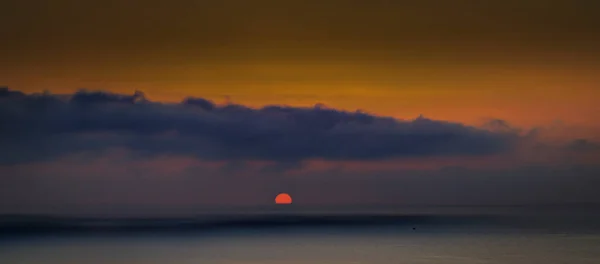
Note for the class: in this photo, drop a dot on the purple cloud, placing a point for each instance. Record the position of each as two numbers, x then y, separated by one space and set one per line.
42 126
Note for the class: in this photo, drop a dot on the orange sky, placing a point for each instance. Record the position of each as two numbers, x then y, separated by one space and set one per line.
524 95
529 62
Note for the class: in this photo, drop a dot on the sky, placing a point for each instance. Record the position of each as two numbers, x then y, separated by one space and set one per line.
118 106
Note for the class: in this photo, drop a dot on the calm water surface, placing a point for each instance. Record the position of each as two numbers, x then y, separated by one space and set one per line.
384 245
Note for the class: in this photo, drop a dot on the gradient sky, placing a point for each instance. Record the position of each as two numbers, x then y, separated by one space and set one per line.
532 64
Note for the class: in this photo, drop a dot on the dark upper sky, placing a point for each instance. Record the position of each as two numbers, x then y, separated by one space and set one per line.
238 29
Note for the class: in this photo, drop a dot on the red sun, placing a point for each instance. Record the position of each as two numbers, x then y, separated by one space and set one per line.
283 198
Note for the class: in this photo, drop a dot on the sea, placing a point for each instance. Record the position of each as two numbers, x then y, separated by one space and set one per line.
534 238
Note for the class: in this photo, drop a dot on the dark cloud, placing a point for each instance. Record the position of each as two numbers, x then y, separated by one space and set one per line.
200 102
41 126
91 97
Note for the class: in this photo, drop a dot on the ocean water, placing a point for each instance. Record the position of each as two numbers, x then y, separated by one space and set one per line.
523 236
297 245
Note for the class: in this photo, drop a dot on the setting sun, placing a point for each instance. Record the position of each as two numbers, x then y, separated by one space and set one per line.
283 198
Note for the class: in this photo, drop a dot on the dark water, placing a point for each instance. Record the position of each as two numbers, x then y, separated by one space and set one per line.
301 240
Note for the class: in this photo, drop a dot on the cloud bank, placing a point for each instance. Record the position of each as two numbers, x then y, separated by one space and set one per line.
36 127
102 153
